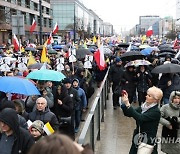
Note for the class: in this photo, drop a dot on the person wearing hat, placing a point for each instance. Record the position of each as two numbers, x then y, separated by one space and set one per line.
115 76
82 105
13 138
36 130
73 93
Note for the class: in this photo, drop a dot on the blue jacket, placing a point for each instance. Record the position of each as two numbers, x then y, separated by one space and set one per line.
82 95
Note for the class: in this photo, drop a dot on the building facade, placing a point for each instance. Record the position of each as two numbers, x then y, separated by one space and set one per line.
146 21
77 21
29 9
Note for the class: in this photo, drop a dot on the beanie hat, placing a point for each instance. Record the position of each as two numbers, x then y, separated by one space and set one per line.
67 80
118 59
39 125
75 80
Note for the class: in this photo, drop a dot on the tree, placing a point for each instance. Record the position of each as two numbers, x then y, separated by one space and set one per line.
171 35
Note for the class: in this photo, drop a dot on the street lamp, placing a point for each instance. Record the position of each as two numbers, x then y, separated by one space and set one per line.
74 21
40 22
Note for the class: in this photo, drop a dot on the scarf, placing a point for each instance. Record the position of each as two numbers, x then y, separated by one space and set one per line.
146 107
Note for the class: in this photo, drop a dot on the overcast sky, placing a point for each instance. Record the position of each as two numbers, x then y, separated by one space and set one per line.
125 13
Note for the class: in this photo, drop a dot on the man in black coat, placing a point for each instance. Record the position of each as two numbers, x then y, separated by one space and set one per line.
43 113
13 139
115 76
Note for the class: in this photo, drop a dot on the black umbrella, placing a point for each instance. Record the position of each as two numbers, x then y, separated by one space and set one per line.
163 46
167 68
123 45
38 66
167 50
30 49
163 54
81 53
132 55
52 51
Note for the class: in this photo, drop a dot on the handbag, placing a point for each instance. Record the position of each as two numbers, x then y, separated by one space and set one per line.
117 90
144 148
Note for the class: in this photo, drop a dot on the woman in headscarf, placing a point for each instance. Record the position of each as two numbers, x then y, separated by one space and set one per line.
170 119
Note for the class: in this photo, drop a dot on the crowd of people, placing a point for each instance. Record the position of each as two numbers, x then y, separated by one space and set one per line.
64 103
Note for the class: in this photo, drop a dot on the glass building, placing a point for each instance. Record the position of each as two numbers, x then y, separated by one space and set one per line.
75 20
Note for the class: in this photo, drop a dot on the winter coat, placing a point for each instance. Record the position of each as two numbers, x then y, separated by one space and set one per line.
115 74
167 112
147 121
23 140
168 89
129 82
143 81
73 93
46 116
64 110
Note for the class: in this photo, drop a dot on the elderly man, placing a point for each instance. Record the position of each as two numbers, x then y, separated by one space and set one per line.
43 113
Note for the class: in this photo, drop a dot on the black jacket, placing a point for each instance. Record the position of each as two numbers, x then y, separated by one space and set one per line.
64 110
115 73
73 93
46 116
23 139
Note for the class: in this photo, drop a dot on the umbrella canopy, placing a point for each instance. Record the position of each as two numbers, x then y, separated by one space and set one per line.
52 51
144 46
167 68
132 55
123 45
38 66
147 51
164 46
57 47
107 51
30 49
47 75
18 85
81 53
163 54
137 62
167 50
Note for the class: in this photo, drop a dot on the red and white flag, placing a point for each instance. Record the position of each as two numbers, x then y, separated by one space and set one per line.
149 31
15 43
33 26
99 58
55 30
50 39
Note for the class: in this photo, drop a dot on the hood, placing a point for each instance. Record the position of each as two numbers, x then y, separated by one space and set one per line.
173 93
10 117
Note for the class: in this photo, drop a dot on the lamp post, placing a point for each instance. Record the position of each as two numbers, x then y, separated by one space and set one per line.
74 21
40 22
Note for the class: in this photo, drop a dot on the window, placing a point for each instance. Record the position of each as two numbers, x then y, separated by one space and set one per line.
35 6
2 14
13 12
50 23
27 3
47 11
45 22
25 19
19 2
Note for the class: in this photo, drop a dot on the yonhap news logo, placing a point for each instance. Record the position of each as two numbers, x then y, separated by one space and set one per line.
142 137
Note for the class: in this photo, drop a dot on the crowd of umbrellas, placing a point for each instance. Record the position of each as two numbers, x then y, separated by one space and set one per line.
136 56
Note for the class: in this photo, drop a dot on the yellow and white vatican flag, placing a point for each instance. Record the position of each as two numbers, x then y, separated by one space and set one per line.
48 129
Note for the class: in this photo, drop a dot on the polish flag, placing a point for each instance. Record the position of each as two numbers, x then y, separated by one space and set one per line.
55 30
99 58
50 39
149 31
15 43
33 26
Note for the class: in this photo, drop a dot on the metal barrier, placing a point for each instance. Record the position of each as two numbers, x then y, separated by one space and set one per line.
91 130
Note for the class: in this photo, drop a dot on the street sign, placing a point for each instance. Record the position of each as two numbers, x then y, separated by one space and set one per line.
18 24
